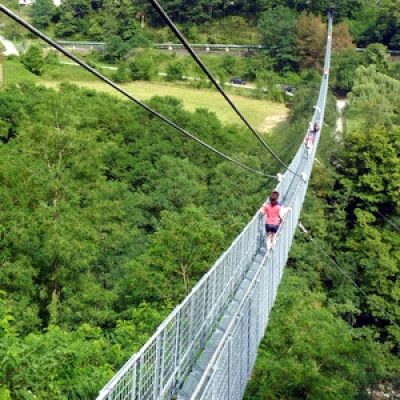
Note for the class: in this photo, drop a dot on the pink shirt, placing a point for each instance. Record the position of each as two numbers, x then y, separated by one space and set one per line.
309 139
272 214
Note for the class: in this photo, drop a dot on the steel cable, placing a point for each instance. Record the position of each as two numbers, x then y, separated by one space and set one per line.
109 82
191 51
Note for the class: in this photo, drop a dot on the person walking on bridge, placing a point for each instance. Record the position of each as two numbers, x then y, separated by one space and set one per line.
310 138
314 130
274 214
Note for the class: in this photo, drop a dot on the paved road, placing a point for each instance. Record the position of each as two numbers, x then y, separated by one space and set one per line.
11 50
77 65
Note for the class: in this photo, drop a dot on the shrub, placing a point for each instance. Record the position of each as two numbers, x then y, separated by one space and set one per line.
143 67
52 58
122 74
175 71
33 60
229 64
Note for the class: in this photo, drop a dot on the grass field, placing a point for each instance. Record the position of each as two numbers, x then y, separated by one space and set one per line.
258 112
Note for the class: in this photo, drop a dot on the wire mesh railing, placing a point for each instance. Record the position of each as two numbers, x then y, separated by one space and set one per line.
227 373
160 368
165 360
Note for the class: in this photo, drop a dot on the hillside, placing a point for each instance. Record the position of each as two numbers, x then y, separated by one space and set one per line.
109 217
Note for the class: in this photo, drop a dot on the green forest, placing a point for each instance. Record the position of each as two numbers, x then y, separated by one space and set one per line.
108 217
370 21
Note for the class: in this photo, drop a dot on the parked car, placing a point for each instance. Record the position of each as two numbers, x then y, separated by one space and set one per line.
289 90
238 81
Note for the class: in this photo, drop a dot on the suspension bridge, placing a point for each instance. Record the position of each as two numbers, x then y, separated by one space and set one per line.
207 346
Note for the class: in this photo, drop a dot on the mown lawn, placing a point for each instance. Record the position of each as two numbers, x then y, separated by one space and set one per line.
257 111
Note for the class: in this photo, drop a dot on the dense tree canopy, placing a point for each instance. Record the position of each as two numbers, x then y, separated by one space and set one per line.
310 354
42 12
310 40
101 224
349 269
277 27
109 217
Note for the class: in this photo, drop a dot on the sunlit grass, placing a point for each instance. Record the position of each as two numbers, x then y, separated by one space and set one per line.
15 72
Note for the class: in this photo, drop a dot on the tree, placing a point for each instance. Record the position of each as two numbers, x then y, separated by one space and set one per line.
388 24
70 253
301 357
344 65
52 364
132 332
122 29
344 8
173 184
310 40
33 60
277 27
369 185
229 64
186 244
175 71
233 194
257 65
115 48
68 25
143 67
375 252
363 24
122 74
42 12
371 163
74 18
374 97
88 180
341 37
377 54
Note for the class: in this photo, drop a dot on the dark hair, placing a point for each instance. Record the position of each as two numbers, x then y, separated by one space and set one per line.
273 198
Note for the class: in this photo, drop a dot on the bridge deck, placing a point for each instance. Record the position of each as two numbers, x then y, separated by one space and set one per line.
207 347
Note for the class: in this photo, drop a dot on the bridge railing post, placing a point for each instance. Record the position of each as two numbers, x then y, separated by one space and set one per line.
133 385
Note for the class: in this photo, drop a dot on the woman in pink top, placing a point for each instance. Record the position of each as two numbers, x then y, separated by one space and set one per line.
271 211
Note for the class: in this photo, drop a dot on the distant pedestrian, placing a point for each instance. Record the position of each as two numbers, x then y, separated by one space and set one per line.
314 130
309 142
310 138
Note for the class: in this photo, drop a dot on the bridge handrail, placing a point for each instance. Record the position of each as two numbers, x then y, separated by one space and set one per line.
167 45
237 277
165 360
205 384
80 43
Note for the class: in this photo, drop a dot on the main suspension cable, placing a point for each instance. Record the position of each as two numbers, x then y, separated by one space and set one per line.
200 63
109 82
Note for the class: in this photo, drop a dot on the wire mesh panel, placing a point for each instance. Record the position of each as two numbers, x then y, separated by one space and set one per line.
185 339
235 364
124 387
220 386
198 306
169 350
254 327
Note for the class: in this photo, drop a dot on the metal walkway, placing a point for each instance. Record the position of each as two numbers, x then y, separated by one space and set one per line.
207 347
